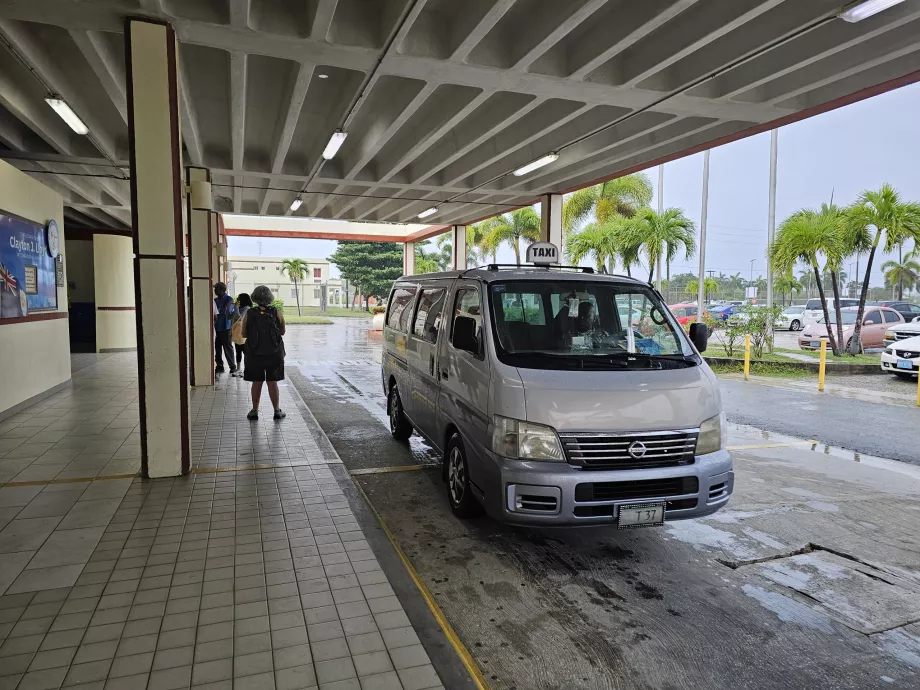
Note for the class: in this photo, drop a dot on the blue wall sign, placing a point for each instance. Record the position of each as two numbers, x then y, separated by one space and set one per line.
27 278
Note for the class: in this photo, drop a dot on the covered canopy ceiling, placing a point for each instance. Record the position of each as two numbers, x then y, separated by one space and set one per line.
441 99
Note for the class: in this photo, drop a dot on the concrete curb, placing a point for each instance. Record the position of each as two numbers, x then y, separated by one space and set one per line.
832 369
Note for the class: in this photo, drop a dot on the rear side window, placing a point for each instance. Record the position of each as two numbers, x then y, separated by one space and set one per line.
398 314
873 317
428 314
813 304
891 316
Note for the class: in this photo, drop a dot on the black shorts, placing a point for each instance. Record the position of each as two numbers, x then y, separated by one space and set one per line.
264 368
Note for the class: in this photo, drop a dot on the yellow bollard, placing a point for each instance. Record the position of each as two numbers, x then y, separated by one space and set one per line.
822 365
747 356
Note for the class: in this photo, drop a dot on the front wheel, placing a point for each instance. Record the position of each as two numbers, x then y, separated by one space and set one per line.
400 426
795 325
462 502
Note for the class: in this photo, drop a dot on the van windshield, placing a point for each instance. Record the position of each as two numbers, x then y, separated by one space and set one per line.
580 324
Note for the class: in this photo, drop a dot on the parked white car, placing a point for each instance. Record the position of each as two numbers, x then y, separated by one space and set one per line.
902 331
902 357
791 318
814 312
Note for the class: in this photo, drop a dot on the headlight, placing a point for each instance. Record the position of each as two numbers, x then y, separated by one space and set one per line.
712 435
514 439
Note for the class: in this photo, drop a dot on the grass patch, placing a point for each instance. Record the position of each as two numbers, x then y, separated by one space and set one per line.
772 370
331 311
293 318
775 356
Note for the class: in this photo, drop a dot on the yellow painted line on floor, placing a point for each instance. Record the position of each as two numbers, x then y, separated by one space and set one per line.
436 611
758 446
398 468
245 468
70 480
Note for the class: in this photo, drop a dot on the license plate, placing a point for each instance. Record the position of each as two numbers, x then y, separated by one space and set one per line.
640 515
905 364
816 343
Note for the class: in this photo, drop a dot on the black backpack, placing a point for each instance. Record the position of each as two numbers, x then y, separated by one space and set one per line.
263 331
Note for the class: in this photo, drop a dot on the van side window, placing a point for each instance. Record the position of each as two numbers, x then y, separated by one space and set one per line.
468 304
873 317
428 314
398 315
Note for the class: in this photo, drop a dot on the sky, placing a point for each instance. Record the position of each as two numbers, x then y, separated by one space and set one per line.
842 152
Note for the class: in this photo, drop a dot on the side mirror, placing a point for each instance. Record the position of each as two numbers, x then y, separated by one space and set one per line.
464 337
699 336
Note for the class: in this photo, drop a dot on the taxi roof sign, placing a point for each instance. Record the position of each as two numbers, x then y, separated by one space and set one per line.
542 254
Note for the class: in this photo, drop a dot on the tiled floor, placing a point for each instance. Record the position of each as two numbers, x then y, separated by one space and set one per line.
251 573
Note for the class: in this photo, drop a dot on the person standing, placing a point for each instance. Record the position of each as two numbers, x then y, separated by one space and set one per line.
263 327
223 320
243 302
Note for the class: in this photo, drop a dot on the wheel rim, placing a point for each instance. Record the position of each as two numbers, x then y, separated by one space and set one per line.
456 475
394 410
795 325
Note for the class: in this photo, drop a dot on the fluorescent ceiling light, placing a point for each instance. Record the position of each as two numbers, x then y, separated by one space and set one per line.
335 143
296 204
539 163
67 115
428 212
863 10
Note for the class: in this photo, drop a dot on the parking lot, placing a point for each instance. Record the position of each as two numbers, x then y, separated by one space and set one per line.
809 579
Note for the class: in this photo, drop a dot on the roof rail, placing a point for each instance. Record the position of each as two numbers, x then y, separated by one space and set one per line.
531 267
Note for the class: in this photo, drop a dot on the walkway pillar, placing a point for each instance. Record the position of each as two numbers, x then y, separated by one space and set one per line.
201 323
116 321
551 219
408 258
458 242
157 196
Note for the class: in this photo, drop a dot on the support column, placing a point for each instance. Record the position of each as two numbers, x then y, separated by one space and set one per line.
201 322
157 199
458 242
551 220
116 321
409 258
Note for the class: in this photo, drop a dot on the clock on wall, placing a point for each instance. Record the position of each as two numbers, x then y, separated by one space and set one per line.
53 238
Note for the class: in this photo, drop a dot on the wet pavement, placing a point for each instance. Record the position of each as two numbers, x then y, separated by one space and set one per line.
809 579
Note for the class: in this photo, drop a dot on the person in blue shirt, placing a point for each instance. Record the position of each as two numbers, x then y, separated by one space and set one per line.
223 321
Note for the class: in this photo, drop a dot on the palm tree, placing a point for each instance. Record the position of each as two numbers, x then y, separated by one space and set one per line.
786 283
907 270
805 236
892 218
661 235
296 269
521 224
807 280
710 287
623 196
608 243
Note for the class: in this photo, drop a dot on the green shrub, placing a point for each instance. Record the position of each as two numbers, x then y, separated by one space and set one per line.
279 305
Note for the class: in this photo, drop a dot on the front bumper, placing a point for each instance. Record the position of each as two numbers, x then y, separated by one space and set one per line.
889 363
543 493
806 343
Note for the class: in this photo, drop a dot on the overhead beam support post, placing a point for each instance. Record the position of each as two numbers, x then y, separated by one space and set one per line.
157 205
458 242
408 258
551 219
201 279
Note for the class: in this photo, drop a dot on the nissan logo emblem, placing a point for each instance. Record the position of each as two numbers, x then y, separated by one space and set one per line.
637 449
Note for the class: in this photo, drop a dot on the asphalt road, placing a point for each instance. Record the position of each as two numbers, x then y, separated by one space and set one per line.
887 431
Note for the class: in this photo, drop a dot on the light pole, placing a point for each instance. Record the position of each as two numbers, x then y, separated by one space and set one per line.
701 290
751 282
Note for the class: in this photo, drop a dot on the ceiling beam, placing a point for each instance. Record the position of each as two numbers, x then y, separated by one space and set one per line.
107 68
492 17
189 119
237 121
560 30
322 20
298 93
239 13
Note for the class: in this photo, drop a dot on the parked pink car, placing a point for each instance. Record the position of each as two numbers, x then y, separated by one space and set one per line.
876 321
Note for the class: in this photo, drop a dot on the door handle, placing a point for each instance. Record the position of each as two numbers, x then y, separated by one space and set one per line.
431 365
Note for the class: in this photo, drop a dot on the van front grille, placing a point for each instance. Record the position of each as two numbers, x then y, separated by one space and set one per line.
597 451
644 488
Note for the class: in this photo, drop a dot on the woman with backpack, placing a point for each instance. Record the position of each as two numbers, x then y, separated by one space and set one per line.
263 328
243 302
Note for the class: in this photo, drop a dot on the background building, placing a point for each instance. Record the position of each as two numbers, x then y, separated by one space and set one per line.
246 272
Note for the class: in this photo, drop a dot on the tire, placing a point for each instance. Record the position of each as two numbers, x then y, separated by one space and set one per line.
847 348
795 325
463 503
904 375
400 426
